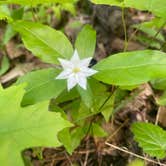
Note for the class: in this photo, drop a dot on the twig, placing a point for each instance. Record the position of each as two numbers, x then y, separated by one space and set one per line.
158 115
156 123
116 131
86 155
133 154
160 29
68 159
85 151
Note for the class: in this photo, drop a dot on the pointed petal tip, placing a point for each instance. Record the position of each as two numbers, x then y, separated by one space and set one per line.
60 60
82 82
95 71
63 75
71 82
85 88
75 58
57 78
85 62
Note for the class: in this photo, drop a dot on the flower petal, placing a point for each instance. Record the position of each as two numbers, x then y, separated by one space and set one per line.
85 62
64 74
82 81
88 72
71 82
75 58
65 63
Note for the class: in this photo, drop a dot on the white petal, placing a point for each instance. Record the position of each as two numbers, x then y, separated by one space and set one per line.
82 82
64 74
86 62
75 58
65 63
71 82
88 72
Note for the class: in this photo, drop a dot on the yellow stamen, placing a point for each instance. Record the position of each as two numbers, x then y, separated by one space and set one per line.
76 70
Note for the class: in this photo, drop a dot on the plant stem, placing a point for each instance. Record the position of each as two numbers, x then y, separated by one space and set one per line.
133 154
125 29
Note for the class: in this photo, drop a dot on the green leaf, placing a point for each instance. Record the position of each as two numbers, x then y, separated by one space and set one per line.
9 33
151 138
65 138
86 42
70 7
41 85
155 22
67 95
4 65
72 139
132 68
109 2
4 16
158 7
159 84
86 95
44 42
100 95
22 128
107 109
162 99
136 162
97 131
17 14
145 40
5 13
33 2
150 31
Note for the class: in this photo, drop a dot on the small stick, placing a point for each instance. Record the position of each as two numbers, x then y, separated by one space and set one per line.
116 131
68 158
86 155
158 115
133 154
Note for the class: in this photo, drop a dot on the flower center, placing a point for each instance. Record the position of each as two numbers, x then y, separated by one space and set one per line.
76 70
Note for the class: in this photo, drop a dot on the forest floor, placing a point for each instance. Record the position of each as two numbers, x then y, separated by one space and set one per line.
119 148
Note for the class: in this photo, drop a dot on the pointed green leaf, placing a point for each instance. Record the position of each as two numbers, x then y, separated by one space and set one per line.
151 138
136 162
107 109
86 42
5 13
162 99
159 84
33 2
4 65
158 7
45 42
109 2
97 131
72 139
22 128
132 68
86 95
41 85
9 33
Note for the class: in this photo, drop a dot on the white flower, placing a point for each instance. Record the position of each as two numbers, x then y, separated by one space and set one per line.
76 71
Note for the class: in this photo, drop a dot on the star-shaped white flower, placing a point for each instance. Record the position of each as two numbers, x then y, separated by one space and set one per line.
76 71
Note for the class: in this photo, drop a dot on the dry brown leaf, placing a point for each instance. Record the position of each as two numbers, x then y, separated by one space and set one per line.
12 50
118 44
16 72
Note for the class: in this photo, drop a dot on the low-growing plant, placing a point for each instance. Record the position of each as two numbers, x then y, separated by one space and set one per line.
74 87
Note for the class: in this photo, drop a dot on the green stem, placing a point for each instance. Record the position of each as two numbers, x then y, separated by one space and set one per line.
125 29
